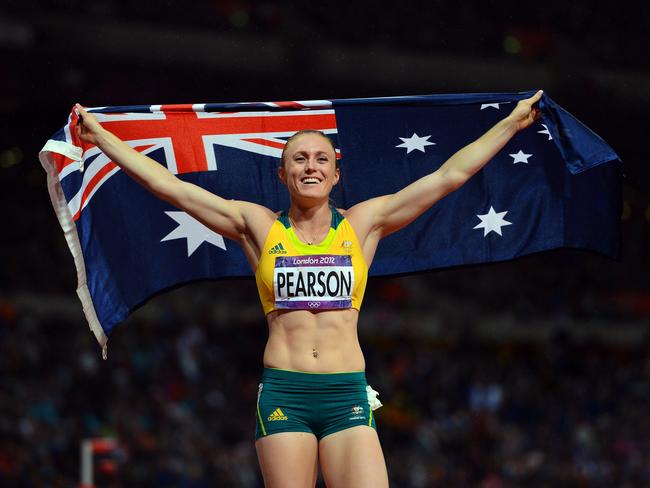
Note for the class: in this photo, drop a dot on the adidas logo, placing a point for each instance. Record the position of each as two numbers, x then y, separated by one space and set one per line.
277 414
278 249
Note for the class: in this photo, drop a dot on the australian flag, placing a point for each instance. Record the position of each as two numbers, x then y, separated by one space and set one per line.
556 184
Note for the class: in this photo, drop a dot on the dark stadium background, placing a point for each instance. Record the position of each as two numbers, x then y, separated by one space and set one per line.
529 373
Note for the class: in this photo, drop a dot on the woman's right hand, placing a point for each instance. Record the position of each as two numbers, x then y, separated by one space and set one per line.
88 128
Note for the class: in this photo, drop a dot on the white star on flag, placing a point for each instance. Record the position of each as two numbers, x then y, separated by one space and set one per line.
415 142
194 231
520 157
491 105
492 222
545 131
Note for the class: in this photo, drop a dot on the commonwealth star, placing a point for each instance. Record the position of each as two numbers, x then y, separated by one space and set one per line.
492 222
194 231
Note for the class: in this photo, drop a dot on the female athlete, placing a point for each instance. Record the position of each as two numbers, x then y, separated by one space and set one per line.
310 262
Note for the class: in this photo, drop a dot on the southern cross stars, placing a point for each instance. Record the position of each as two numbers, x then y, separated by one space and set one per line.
520 157
545 131
491 105
194 231
415 142
492 222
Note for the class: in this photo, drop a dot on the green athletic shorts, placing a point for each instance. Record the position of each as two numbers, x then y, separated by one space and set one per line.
320 403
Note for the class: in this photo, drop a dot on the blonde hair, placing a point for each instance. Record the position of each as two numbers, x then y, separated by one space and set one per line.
304 132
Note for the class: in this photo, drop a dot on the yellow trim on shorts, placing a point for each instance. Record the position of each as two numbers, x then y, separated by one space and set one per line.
260 417
370 416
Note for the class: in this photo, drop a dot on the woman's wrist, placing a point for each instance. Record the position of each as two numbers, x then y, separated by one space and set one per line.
511 125
104 138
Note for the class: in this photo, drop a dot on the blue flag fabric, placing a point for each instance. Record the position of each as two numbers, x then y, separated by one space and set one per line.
548 188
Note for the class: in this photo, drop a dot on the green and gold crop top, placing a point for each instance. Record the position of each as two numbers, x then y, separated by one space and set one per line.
297 276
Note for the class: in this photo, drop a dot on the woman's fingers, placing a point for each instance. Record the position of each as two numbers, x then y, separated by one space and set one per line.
80 111
532 100
535 112
525 112
87 125
535 98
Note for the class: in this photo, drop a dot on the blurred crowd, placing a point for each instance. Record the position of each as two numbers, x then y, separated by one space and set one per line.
461 408
465 403
178 394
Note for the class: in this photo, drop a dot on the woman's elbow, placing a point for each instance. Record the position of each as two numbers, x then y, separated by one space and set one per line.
453 180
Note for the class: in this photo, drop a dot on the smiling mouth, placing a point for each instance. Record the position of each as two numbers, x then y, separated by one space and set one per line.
310 181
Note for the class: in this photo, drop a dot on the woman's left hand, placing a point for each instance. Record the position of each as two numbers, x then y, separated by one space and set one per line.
525 113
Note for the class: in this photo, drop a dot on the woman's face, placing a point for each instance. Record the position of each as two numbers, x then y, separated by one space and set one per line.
309 168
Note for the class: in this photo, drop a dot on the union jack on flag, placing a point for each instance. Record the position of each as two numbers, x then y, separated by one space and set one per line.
548 188
187 136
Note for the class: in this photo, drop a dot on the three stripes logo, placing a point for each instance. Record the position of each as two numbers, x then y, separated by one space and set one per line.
278 249
277 414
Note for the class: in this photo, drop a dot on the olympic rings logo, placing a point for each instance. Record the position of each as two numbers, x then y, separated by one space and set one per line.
313 304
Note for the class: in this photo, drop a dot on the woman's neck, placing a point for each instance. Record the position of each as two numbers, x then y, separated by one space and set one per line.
312 223
310 215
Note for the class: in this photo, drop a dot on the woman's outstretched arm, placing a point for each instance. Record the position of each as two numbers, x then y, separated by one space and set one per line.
244 222
381 216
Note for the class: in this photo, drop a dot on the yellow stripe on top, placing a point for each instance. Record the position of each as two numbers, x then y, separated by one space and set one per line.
325 276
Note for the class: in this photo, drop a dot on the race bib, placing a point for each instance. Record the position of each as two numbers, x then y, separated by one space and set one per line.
317 282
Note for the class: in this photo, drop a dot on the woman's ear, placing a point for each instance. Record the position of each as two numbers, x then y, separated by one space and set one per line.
282 174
